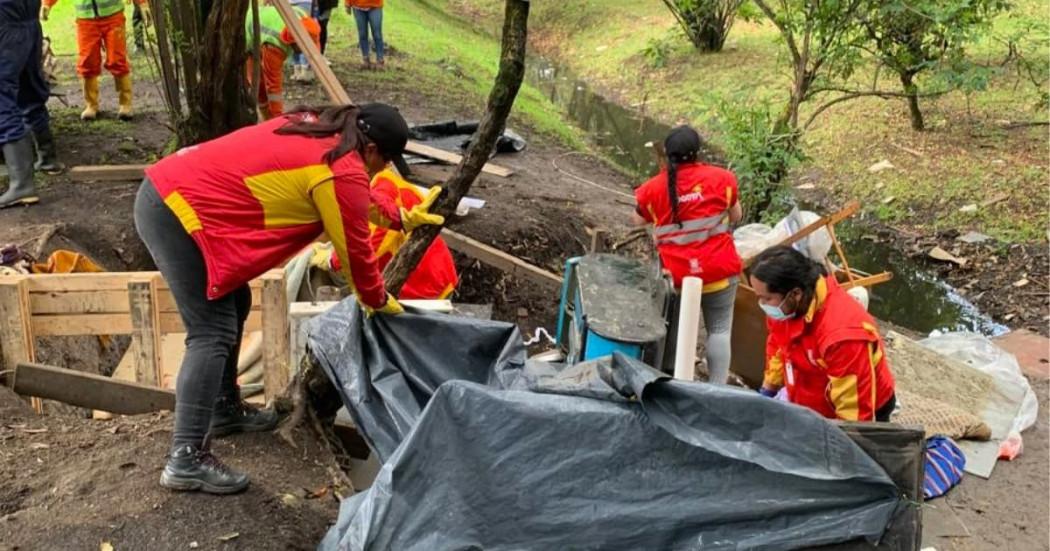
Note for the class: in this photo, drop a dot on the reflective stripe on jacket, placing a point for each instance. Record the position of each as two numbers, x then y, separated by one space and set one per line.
832 359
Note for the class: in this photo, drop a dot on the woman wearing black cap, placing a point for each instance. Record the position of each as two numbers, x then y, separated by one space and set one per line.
691 204
216 215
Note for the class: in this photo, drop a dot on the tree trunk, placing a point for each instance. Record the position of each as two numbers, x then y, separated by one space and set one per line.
907 80
501 99
223 102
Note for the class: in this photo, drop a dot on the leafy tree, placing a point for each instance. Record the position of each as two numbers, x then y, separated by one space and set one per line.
914 36
706 22
822 38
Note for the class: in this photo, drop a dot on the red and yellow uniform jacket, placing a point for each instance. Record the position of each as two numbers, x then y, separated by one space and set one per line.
253 198
700 245
832 360
435 275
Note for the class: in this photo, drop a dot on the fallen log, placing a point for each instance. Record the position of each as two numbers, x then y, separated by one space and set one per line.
89 390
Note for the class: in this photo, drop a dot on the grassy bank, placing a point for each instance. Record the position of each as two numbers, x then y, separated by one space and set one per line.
967 156
441 55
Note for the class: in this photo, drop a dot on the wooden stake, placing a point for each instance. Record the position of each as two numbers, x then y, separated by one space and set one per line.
145 324
842 255
276 335
16 329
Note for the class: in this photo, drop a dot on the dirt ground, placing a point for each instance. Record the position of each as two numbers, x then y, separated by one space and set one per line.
71 483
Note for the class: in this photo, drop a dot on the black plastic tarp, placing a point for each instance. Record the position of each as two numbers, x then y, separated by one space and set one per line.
483 449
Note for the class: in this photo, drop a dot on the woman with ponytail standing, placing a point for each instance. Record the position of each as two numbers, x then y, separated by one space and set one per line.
691 205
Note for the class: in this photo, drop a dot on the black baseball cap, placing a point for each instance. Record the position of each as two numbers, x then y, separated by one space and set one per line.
384 125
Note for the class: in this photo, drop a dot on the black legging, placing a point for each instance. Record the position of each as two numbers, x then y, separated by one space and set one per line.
882 415
213 327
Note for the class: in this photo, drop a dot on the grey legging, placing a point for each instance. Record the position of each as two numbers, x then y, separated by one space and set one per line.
718 319
213 327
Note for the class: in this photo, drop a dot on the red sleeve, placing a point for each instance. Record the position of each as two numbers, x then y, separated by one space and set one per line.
851 374
643 198
343 203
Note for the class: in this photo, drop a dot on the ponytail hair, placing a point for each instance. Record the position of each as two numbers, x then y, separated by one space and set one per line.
328 121
681 146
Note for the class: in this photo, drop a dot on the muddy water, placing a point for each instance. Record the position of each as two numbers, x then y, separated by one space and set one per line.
915 298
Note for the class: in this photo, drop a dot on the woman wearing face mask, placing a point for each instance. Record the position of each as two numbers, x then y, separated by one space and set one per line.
690 205
822 345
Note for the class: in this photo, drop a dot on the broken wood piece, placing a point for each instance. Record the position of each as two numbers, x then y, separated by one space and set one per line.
339 96
89 390
499 259
107 173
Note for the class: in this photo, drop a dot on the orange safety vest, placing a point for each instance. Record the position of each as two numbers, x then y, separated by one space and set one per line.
832 359
700 244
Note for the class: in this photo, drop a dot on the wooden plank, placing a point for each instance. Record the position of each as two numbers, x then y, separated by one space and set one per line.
339 96
99 281
64 325
499 259
79 302
276 328
16 331
867 281
89 390
145 330
107 173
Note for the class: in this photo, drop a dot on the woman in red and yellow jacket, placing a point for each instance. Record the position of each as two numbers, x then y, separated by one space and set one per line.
690 205
435 276
822 344
218 214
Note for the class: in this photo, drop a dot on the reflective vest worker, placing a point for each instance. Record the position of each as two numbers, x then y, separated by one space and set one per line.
435 276
690 205
218 214
23 102
275 45
822 345
100 28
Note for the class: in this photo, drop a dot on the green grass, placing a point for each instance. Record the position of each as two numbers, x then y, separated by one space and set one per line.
965 156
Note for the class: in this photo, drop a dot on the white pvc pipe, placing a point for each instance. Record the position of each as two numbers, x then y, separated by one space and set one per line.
688 327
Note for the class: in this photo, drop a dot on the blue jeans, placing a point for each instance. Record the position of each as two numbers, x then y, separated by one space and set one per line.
370 18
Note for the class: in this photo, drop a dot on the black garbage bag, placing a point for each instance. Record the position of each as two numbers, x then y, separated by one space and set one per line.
483 449
455 136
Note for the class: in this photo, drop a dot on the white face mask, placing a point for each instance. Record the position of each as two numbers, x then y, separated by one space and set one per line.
774 312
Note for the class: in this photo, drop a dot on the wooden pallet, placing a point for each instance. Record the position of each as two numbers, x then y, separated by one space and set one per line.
139 304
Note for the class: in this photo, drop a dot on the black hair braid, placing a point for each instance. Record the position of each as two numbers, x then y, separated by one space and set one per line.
672 188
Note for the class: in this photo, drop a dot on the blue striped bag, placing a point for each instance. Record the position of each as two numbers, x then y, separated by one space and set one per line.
944 466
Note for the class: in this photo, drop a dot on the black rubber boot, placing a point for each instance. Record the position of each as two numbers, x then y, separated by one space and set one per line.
192 469
46 153
232 415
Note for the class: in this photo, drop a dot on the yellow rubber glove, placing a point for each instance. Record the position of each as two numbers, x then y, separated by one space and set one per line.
419 215
45 11
147 14
392 307
322 255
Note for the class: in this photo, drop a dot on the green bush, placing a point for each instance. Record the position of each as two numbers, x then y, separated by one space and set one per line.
759 156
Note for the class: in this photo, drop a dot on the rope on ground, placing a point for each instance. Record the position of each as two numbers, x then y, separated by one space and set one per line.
540 334
554 163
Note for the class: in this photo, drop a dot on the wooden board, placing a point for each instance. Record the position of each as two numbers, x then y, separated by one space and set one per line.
145 331
499 259
107 173
16 331
339 96
276 329
65 325
89 390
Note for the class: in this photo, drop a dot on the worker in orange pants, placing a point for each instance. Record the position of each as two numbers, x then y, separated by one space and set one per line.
100 27
275 45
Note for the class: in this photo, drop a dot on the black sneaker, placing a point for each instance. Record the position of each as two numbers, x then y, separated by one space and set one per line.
193 469
233 416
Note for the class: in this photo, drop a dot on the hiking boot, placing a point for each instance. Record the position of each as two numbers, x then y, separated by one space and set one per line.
231 416
18 156
192 469
46 153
